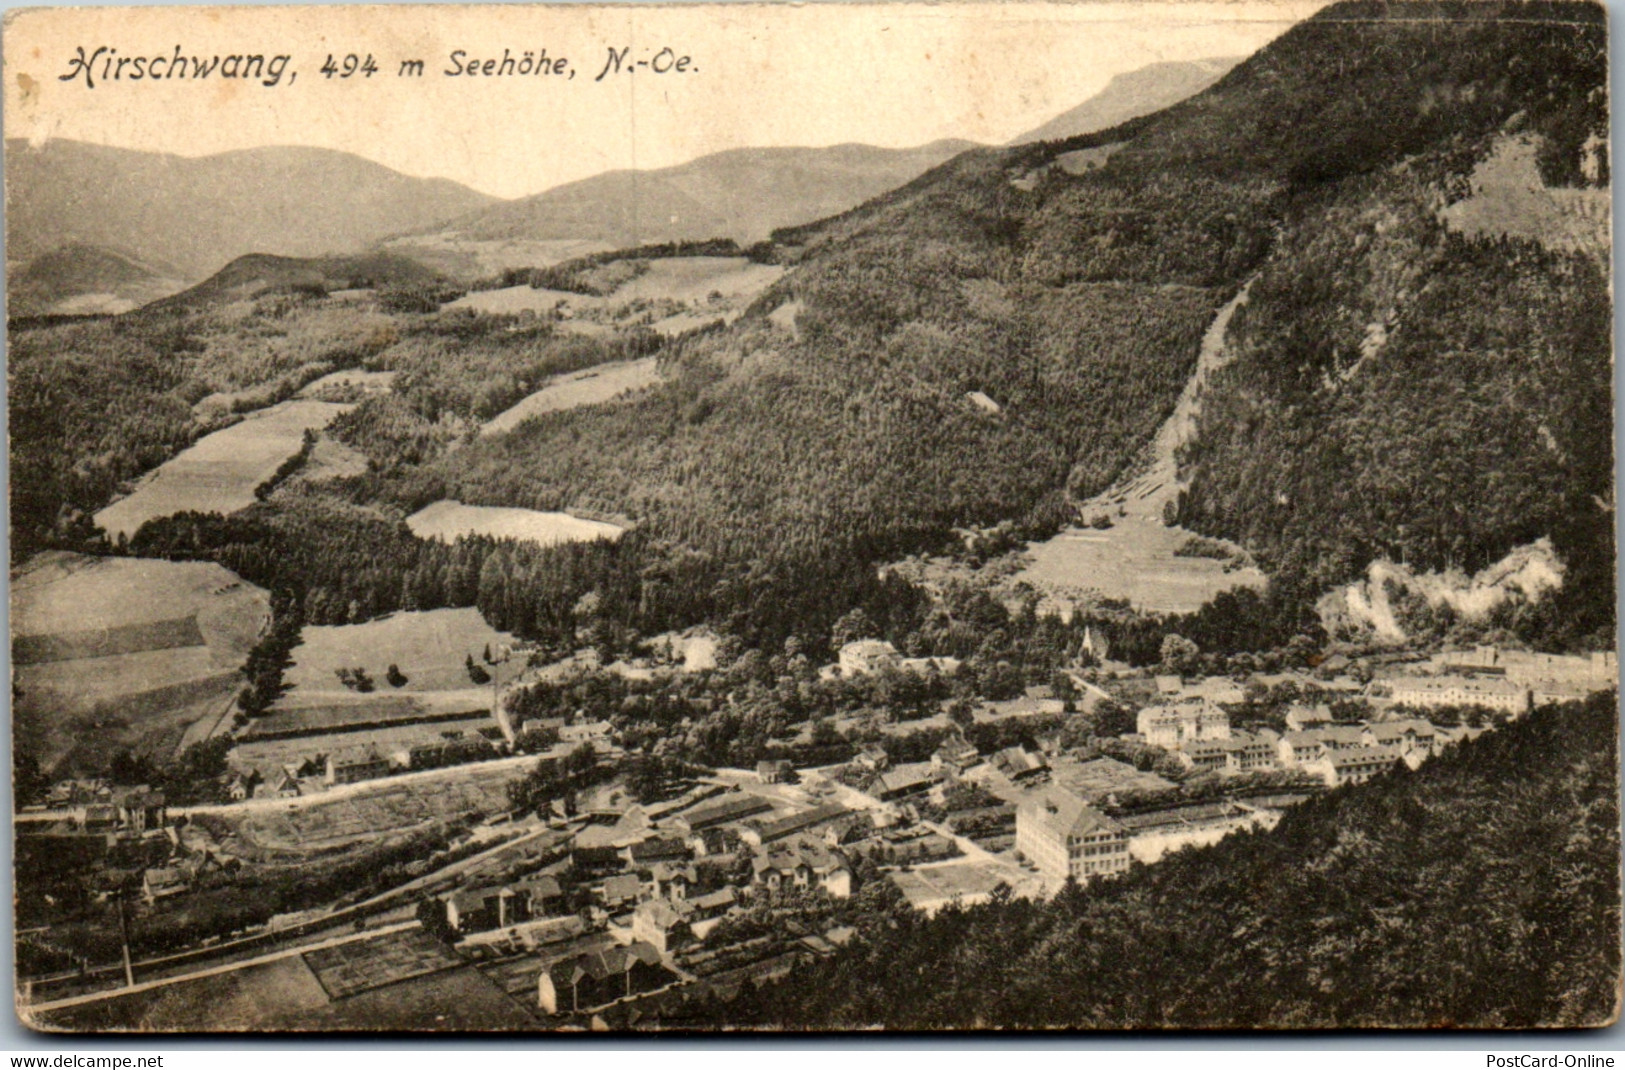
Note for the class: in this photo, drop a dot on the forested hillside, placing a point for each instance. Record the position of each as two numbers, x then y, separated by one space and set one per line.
1481 890
1402 384
1076 303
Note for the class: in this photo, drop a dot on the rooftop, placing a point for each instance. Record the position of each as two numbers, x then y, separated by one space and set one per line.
1062 814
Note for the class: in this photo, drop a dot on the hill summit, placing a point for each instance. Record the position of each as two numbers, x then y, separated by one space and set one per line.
195 214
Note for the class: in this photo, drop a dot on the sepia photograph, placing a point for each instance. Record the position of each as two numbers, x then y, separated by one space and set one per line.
703 518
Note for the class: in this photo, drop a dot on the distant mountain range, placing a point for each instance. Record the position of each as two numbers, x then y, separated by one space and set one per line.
743 194
1129 96
187 217
92 228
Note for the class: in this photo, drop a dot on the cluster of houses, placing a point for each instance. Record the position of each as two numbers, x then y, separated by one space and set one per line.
95 806
658 881
131 842
1510 681
1199 736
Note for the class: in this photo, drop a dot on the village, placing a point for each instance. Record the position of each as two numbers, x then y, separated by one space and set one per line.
617 903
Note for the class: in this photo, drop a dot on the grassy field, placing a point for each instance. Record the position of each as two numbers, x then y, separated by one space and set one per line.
429 647
1133 560
693 279
671 295
447 520
219 472
263 754
118 652
590 387
511 300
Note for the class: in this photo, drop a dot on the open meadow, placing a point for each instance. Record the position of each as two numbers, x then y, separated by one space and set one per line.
592 386
447 521
670 294
219 473
430 649
125 652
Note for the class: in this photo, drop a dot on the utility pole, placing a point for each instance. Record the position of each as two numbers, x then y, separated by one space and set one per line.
124 938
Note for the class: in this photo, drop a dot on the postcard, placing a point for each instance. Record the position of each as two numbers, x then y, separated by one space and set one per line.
728 517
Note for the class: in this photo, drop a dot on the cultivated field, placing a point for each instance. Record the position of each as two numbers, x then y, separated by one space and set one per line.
351 712
512 300
350 969
370 814
125 652
590 387
285 995
429 647
219 472
448 520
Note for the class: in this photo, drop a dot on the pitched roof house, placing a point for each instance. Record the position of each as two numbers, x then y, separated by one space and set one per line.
595 978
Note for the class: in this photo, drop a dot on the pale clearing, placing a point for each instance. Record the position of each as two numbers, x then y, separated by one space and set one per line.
449 520
692 290
593 386
695 279
349 380
429 647
512 300
219 472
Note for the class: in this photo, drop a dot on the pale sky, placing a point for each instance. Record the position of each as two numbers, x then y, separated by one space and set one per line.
894 75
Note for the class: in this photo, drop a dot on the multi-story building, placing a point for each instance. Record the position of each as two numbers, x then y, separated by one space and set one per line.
1412 734
1061 834
801 862
1249 752
1431 692
1204 756
1299 748
1354 765
1189 722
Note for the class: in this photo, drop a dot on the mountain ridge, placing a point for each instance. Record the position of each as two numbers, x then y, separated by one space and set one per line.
1131 95
742 193
197 214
